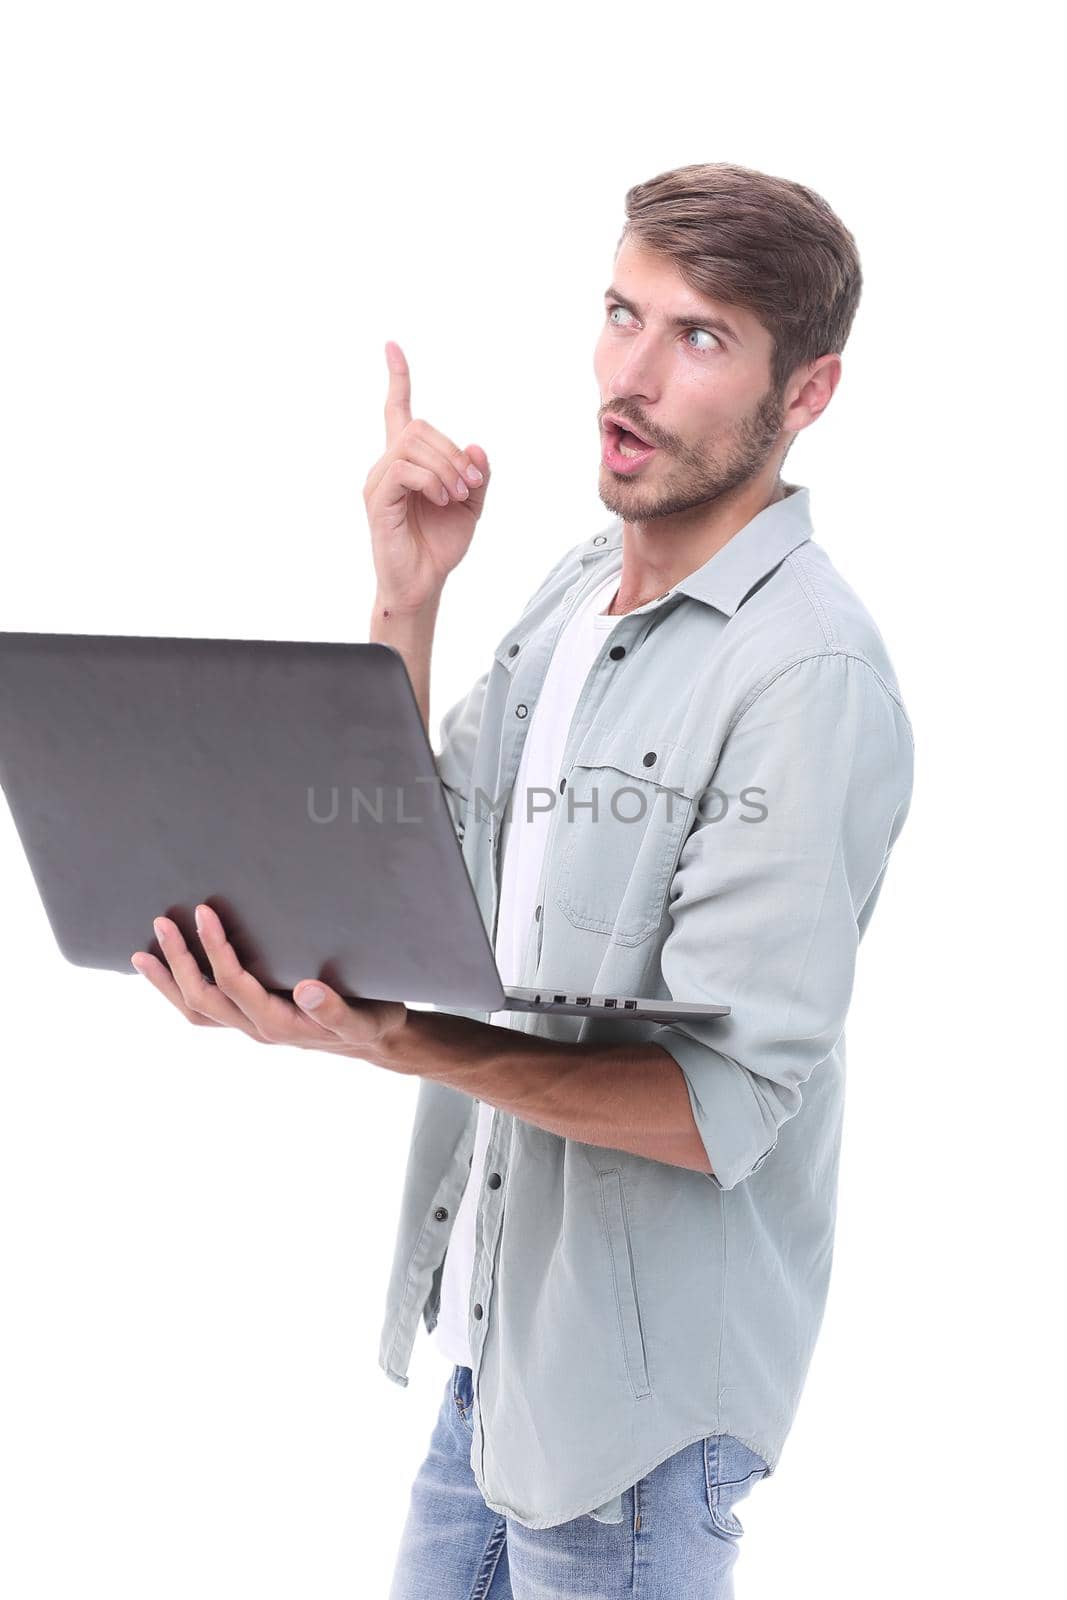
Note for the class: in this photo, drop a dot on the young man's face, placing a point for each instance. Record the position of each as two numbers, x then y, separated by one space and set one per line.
699 395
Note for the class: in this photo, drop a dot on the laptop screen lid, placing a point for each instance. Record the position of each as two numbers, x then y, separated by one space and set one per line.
290 785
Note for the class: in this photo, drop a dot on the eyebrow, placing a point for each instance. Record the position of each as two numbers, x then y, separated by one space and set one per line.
697 320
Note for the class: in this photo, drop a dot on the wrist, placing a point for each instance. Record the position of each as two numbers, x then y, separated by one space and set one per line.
387 606
435 1044
396 1047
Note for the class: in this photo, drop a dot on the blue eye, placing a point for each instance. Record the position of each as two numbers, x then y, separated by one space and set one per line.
706 331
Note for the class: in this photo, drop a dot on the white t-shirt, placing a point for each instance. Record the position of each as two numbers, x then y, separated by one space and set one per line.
523 846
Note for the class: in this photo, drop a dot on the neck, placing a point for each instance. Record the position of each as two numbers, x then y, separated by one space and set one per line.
661 552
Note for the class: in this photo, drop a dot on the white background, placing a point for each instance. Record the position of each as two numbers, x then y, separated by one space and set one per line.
214 216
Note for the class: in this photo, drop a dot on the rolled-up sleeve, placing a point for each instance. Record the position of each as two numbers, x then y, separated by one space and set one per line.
454 755
773 890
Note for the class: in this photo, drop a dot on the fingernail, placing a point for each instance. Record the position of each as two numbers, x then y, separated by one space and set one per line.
474 475
160 933
310 998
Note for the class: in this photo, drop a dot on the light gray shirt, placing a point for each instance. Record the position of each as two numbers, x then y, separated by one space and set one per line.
736 773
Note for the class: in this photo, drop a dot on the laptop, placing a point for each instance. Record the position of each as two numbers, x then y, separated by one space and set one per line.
289 785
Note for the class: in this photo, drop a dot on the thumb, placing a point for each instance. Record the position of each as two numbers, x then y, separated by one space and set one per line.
476 497
355 1021
480 459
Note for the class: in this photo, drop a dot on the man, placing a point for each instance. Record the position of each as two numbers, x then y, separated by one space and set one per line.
620 1235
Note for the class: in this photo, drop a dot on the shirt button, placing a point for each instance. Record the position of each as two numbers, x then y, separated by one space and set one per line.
649 757
478 1311
494 1180
514 650
601 538
441 1213
617 652
562 785
537 913
520 711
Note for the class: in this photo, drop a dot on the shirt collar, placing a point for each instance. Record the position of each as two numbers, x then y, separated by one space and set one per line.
754 550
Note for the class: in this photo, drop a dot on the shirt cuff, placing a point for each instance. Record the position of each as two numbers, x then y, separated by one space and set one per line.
736 1127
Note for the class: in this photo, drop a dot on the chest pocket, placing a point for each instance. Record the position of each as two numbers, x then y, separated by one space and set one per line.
628 805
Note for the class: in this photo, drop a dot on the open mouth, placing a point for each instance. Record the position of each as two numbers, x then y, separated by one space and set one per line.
625 450
626 440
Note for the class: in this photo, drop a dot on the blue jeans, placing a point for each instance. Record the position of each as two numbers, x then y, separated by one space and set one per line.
678 1538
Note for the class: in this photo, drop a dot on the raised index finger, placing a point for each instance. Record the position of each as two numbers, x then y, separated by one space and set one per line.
398 399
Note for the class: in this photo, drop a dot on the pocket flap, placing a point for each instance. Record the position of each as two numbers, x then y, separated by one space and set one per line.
674 766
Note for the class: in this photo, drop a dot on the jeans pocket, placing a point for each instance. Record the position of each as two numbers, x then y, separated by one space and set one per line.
463 1395
730 1470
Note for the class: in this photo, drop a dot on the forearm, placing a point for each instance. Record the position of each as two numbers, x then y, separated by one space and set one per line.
411 633
629 1097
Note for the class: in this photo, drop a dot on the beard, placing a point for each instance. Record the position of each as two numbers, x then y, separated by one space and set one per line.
700 476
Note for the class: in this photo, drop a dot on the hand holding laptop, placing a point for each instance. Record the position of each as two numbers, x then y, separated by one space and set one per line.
320 1019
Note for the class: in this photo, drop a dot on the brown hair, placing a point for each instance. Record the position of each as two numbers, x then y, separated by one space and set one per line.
763 243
